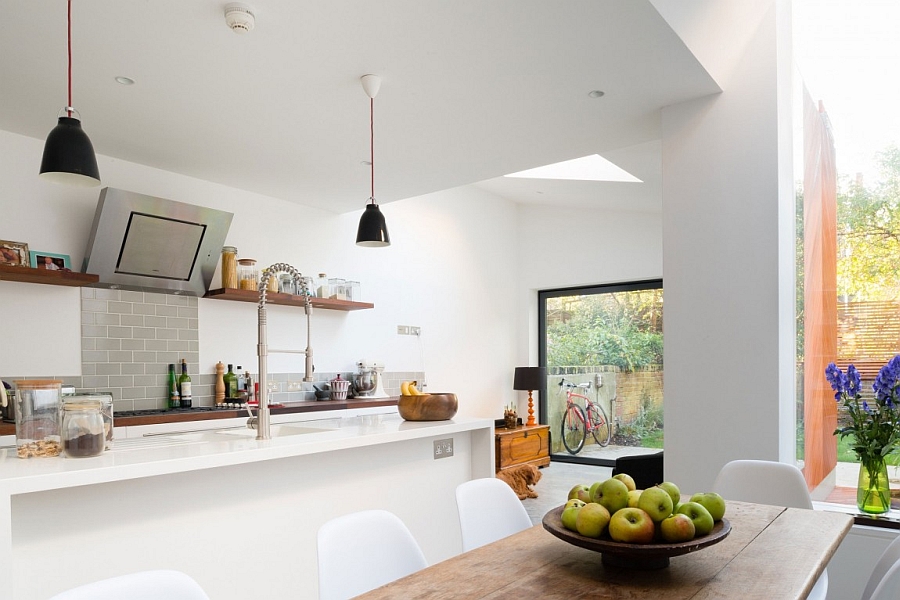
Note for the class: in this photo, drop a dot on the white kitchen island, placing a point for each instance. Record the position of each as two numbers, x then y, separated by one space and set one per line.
238 515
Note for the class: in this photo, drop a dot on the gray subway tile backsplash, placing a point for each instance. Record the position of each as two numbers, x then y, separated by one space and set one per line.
128 339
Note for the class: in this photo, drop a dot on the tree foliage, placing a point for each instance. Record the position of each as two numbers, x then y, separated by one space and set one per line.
623 329
869 235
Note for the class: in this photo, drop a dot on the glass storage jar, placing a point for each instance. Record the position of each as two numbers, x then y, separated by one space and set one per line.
248 274
37 417
322 288
106 410
229 267
82 428
286 283
338 289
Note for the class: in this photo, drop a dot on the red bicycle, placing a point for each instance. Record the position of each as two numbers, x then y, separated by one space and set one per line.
577 421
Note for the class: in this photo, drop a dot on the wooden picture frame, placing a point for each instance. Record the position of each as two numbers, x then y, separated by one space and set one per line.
14 254
49 261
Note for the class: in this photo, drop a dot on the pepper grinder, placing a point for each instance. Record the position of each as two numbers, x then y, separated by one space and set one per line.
220 383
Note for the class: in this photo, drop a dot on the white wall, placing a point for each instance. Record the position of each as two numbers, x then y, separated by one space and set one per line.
450 270
729 336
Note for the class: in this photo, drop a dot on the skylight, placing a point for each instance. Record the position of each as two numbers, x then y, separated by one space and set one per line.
586 168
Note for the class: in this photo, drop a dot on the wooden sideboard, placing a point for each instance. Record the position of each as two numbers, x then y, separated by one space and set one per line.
522 445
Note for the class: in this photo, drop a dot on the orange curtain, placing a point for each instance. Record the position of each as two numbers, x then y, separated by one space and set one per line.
820 291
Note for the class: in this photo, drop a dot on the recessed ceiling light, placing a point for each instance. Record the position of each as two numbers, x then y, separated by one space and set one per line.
124 80
596 94
586 168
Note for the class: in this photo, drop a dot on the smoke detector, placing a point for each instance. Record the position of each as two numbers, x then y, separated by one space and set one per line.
239 17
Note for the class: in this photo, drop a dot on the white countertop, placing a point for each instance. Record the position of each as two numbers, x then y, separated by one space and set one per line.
175 452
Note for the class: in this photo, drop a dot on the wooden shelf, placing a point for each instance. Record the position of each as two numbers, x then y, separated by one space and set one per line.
31 275
252 296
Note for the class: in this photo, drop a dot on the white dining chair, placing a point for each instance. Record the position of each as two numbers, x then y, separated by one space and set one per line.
364 550
145 585
887 572
768 482
488 510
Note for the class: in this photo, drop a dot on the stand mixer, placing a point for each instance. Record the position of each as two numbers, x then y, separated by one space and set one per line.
369 381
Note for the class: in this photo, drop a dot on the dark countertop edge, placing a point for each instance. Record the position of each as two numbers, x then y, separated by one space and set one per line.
229 413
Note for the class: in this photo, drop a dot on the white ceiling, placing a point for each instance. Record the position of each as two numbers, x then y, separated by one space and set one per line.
471 90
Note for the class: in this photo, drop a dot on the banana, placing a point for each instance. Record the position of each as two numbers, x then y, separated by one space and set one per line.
404 389
415 390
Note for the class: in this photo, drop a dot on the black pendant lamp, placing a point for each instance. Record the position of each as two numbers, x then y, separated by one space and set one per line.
372 231
68 153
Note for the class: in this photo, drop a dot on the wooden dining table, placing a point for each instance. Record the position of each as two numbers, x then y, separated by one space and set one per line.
771 553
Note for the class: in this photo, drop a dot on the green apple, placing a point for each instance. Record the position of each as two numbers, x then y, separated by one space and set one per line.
712 502
580 491
612 494
627 480
673 491
703 521
677 528
568 516
656 502
632 526
591 520
574 502
633 497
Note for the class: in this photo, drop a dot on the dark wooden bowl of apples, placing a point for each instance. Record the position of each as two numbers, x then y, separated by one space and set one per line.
633 556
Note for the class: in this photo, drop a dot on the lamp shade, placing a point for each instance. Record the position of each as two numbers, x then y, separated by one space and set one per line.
372 231
69 155
529 378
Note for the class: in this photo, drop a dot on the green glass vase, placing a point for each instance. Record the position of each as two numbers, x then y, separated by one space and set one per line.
873 493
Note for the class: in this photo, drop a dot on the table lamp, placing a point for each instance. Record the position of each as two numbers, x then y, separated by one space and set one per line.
530 379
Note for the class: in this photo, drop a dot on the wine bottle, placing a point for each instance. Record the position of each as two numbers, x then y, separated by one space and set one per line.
230 383
174 394
184 385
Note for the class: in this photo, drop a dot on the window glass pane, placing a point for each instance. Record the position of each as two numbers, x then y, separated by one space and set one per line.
603 349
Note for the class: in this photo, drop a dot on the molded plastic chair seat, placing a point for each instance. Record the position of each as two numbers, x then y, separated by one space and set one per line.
645 469
884 582
146 585
364 550
488 511
768 482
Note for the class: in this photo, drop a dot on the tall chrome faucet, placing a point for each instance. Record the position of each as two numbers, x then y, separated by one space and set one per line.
263 419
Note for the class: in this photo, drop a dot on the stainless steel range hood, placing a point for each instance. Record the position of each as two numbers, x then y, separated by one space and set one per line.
152 244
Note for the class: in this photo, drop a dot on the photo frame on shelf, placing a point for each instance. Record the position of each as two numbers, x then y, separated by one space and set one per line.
49 261
13 253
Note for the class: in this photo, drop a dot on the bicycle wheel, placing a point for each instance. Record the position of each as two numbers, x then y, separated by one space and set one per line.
599 424
572 431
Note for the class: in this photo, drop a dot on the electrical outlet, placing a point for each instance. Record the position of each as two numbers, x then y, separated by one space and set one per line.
402 329
415 330
443 448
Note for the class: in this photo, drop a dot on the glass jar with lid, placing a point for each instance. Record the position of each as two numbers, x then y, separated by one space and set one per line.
81 428
229 267
37 417
106 410
248 274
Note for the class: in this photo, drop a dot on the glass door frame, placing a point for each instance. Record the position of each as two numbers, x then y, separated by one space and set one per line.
543 295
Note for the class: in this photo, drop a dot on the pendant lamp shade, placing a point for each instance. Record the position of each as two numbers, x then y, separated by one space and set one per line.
69 155
372 231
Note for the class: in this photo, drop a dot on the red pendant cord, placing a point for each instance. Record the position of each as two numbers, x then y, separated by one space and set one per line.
69 19
371 142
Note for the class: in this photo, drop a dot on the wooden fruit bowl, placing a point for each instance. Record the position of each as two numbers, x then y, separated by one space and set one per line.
428 407
633 556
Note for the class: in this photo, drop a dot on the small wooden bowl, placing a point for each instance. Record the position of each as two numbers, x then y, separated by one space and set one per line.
428 407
